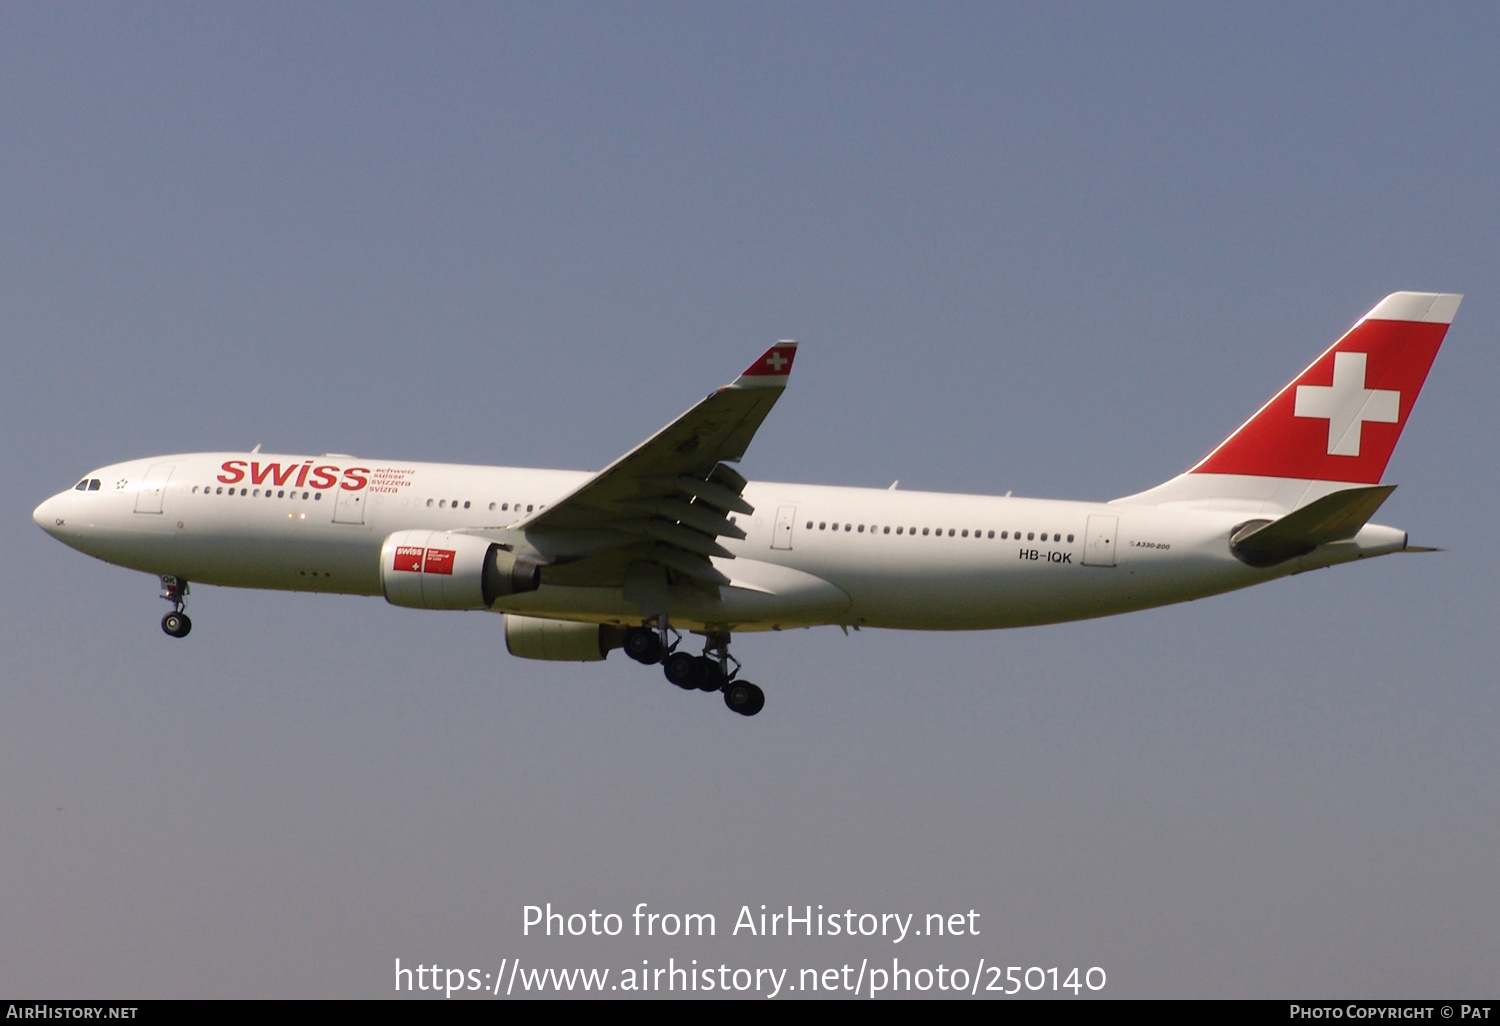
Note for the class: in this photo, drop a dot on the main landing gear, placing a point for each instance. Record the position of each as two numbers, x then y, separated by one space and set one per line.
174 590
711 671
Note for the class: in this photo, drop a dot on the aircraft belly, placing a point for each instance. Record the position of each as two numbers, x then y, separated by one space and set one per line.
765 596
775 596
349 564
994 595
317 560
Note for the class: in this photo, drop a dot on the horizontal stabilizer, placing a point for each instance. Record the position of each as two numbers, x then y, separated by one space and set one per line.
1336 517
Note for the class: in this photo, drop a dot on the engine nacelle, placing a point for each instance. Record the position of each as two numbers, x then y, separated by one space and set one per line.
444 570
535 637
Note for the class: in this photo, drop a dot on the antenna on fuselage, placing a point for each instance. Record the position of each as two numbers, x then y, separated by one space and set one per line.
256 449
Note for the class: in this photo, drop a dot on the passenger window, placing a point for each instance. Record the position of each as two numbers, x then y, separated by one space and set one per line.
257 494
848 527
898 530
809 524
528 508
1070 537
822 524
492 507
195 489
281 495
861 528
1030 536
885 530
1057 537
924 532
992 534
317 496
429 503
950 532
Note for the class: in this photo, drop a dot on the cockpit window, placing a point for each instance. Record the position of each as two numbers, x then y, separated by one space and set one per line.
94 484
82 486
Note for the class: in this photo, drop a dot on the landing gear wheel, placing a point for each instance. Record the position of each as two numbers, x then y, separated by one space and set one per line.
710 677
176 624
744 698
643 645
682 669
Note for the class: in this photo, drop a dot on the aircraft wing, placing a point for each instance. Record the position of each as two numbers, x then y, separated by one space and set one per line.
671 496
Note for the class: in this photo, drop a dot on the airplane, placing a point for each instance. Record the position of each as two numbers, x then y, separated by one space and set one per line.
670 539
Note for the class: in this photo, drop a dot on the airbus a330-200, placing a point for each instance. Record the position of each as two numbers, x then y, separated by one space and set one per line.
670 540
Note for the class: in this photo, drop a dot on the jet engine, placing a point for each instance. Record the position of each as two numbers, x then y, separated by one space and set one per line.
535 637
444 570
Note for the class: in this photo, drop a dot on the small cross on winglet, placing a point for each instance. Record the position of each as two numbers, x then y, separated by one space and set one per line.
771 369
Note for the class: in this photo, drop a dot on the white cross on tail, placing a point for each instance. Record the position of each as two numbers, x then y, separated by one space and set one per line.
1347 404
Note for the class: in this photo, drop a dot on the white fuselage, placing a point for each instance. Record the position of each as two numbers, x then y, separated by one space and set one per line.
812 554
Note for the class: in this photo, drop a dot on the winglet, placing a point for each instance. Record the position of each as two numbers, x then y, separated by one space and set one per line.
772 369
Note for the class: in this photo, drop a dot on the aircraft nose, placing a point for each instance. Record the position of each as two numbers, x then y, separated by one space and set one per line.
47 516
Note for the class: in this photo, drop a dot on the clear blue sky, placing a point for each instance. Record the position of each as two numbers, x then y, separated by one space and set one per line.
1055 249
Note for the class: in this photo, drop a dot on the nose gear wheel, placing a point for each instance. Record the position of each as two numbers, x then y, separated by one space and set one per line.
176 623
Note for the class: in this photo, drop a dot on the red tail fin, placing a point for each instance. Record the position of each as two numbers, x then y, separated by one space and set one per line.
1340 418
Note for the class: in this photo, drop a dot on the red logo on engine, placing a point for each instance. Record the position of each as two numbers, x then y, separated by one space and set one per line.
408 557
439 561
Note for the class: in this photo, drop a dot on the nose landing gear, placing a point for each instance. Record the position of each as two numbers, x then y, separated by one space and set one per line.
174 590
